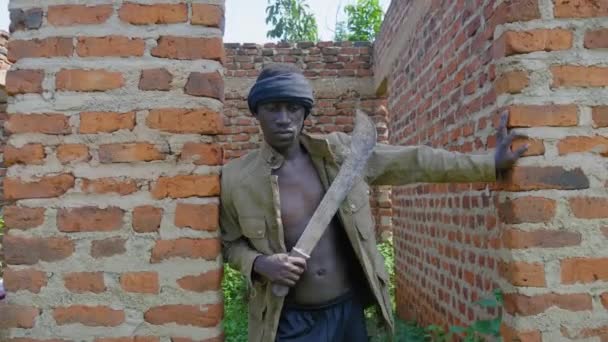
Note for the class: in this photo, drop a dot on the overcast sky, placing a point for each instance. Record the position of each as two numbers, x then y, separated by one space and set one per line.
245 19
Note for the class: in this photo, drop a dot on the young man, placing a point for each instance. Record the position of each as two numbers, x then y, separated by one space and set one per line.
269 195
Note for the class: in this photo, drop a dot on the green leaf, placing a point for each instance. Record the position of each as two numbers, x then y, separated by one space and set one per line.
487 327
457 330
488 303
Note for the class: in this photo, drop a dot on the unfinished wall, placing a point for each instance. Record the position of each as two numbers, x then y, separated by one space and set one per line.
341 76
438 75
540 237
113 171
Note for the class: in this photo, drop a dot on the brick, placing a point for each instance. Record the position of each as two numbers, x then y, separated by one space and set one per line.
208 249
194 315
29 251
580 8
108 186
197 216
584 270
141 14
201 154
209 281
518 304
185 121
512 82
30 19
155 79
595 144
126 153
46 187
519 42
186 339
30 279
17 316
16 217
208 84
107 122
40 48
543 115
522 10
108 247
543 238
189 48
523 274
35 340
89 219
24 81
38 123
128 339
600 116
88 80
527 209
140 282
535 147
69 153
526 178
597 39
146 219
67 15
589 207
110 46
186 186
83 282
207 15
32 154
579 76
511 335
90 316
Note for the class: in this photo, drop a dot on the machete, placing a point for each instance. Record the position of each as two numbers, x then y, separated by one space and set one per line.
361 146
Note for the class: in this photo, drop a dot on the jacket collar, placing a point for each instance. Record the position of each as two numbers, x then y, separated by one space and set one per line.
314 145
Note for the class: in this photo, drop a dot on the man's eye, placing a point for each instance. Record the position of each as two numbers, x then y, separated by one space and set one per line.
294 108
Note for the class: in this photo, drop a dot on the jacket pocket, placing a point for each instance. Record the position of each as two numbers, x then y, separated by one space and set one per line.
253 227
358 205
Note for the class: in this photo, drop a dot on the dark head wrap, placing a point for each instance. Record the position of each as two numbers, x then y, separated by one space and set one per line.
291 87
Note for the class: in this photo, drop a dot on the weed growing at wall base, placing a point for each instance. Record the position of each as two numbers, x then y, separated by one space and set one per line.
234 287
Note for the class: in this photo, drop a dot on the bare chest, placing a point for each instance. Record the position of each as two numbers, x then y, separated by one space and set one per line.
300 191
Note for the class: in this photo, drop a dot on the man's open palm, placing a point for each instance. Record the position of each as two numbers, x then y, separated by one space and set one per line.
504 157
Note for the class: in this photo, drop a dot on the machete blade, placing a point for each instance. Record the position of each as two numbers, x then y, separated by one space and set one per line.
362 144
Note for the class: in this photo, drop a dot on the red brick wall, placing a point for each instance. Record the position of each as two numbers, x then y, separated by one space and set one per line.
539 236
440 94
112 178
341 76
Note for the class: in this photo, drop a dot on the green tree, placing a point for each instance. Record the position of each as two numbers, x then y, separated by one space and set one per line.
291 21
340 34
364 19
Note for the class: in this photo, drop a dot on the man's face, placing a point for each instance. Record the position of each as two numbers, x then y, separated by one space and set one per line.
281 123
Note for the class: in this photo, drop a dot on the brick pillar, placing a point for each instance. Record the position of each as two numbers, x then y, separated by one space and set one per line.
113 172
552 77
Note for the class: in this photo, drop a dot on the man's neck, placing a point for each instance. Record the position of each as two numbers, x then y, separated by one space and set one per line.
293 152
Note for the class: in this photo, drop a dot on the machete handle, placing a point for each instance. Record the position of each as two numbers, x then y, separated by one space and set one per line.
281 290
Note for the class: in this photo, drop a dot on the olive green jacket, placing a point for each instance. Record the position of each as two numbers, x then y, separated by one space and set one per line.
250 218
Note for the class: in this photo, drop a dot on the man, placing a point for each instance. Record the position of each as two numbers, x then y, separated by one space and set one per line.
269 195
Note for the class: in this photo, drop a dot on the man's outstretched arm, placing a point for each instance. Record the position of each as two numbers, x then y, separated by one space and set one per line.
399 165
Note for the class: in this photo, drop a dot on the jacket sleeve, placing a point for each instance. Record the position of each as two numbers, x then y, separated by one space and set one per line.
236 249
400 165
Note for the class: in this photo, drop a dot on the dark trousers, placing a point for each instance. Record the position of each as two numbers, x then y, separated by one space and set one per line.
342 320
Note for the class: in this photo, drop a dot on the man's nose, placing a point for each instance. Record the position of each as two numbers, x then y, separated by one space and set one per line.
282 117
